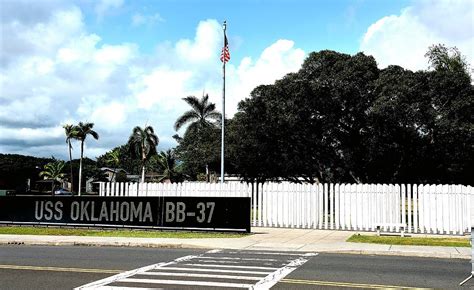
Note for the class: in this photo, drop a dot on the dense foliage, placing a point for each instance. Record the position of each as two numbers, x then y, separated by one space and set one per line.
341 119
15 169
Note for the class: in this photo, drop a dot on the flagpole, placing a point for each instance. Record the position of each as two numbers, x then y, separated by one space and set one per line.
224 26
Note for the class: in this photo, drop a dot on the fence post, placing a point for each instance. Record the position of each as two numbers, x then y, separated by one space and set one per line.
337 206
409 211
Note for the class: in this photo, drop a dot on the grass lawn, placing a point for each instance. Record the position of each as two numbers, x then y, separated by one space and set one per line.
53 231
411 241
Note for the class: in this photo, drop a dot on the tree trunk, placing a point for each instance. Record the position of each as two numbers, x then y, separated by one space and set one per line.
70 164
80 168
143 163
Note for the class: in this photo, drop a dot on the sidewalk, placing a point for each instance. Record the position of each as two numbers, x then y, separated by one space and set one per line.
264 239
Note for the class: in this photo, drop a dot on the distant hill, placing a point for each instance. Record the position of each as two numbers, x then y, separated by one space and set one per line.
15 169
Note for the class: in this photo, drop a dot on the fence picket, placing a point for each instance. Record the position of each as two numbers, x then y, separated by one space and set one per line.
437 209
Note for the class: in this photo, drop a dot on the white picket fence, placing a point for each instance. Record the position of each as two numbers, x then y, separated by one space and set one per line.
199 189
432 209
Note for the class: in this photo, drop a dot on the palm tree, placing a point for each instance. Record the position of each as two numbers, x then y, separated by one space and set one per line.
71 133
143 144
83 130
53 170
113 159
167 165
200 114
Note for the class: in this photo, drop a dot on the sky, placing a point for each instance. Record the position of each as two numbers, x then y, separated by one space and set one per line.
124 63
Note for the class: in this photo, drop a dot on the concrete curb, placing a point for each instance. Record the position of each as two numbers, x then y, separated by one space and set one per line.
103 244
193 246
400 253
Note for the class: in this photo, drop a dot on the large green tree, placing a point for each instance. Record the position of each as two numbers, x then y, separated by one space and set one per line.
309 124
84 130
341 119
143 142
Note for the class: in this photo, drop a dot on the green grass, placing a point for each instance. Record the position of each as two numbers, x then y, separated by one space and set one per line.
411 241
53 231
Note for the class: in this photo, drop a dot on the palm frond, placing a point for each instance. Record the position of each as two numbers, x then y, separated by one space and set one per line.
94 134
143 142
186 118
215 116
194 102
209 108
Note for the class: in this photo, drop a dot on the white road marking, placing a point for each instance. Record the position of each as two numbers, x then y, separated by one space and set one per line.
243 259
202 275
214 251
192 283
218 262
273 278
230 266
124 288
266 276
215 270
272 253
126 274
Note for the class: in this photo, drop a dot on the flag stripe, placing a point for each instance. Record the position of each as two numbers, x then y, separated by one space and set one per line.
225 53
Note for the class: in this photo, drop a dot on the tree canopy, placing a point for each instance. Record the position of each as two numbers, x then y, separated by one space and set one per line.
341 119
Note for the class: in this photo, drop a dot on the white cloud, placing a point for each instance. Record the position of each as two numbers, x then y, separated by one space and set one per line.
71 75
276 61
204 46
139 19
103 6
404 39
162 86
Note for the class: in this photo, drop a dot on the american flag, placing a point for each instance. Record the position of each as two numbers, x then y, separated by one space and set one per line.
225 54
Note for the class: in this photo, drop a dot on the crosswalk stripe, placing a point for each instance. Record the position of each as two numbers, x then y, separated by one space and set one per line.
218 261
215 270
182 282
210 267
111 279
217 276
233 266
243 259
269 253
272 279
124 288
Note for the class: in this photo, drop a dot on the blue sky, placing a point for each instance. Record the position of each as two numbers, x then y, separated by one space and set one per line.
252 24
122 63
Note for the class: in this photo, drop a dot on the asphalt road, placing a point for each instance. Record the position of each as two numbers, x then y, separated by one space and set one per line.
28 267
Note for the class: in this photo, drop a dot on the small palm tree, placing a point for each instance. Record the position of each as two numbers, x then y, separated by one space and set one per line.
113 159
53 170
143 144
83 130
71 133
168 166
200 115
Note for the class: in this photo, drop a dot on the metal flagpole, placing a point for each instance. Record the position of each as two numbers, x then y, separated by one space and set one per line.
224 26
